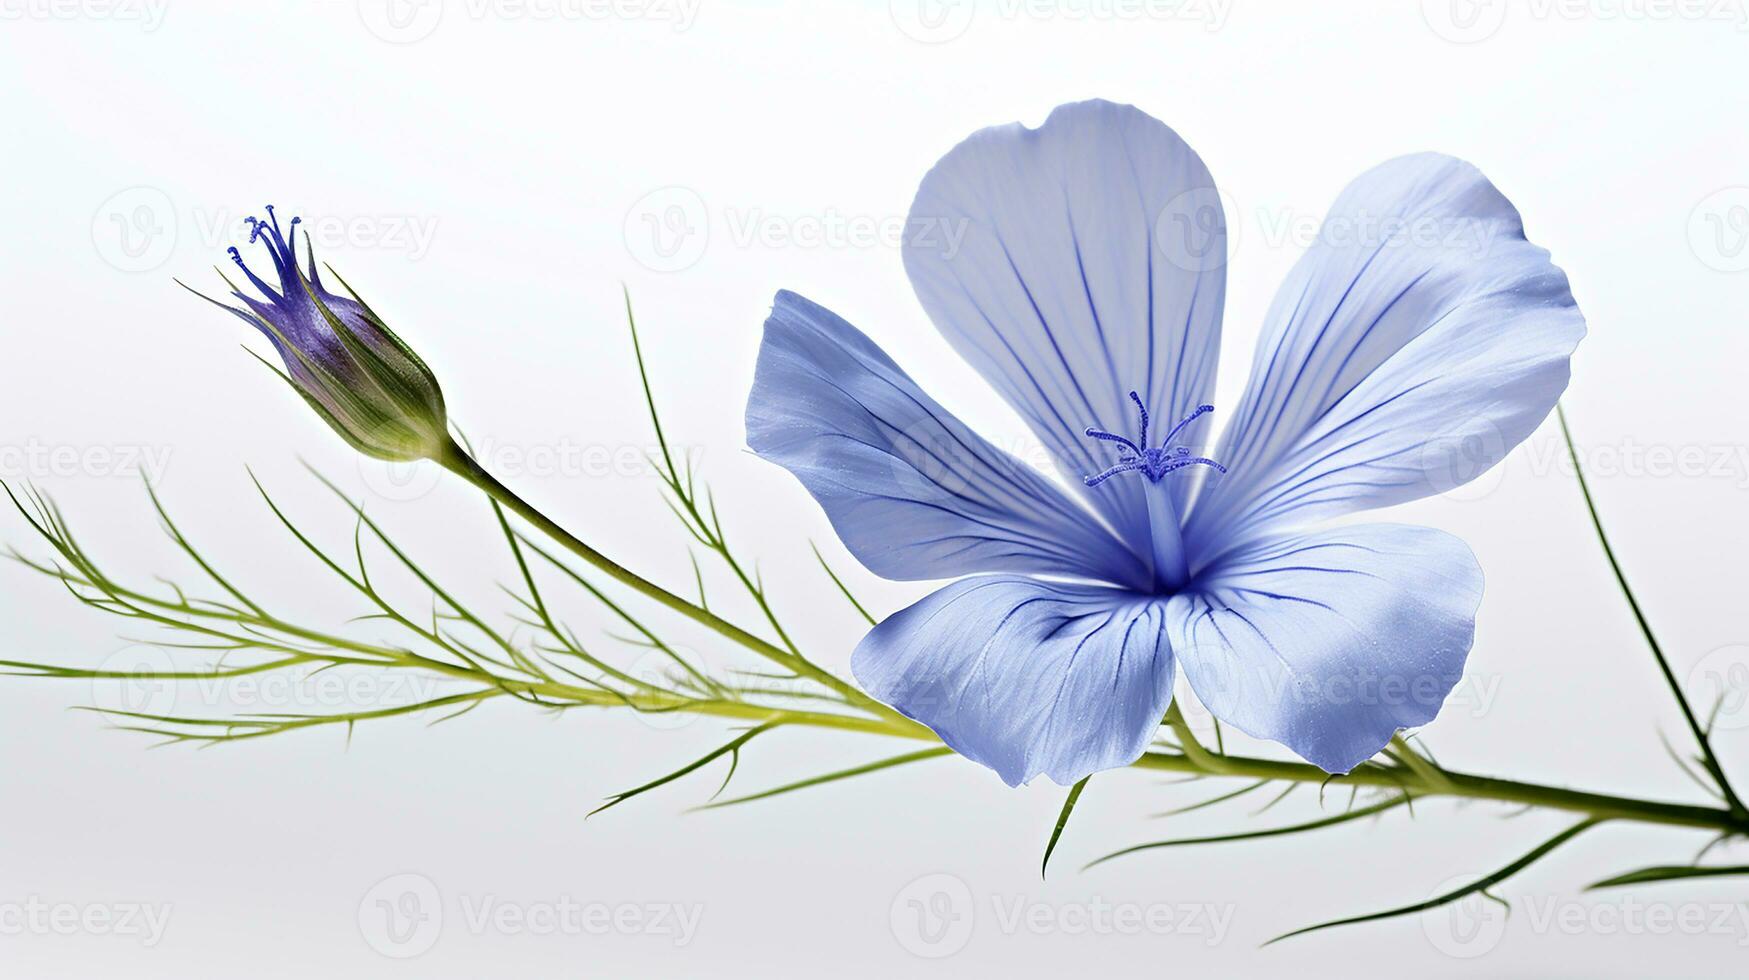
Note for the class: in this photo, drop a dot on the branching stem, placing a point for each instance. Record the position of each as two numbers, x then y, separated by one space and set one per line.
457 461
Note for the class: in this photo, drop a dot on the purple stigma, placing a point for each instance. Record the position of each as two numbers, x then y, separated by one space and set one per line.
1152 462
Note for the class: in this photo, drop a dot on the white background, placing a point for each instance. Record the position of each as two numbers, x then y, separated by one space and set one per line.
523 145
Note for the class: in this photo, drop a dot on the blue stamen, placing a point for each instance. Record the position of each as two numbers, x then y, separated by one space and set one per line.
1154 463
1124 467
1093 433
280 250
266 290
1201 410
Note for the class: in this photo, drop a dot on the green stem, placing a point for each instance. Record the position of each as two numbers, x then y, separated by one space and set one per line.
457 461
1405 754
1453 784
1711 761
658 701
1463 785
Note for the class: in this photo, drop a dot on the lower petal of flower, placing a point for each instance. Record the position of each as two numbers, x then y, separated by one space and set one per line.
1330 642
1027 676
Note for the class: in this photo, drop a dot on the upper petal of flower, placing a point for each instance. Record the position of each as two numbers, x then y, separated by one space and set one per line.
1330 642
911 491
1417 342
1070 265
1027 677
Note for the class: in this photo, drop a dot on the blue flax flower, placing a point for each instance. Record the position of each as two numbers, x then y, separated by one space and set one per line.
1418 340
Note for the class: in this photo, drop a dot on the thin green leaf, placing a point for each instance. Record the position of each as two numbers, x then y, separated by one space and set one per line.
841 586
1319 824
649 394
1062 821
1709 760
704 760
832 777
1480 885
1224 797
1668 873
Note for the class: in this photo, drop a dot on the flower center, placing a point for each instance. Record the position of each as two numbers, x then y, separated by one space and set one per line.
1139 457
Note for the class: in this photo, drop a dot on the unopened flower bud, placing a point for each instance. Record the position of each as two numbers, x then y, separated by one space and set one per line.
340 356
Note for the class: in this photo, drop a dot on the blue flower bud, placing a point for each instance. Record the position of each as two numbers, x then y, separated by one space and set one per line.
339 355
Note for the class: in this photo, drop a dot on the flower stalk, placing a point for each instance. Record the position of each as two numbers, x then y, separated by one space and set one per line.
457 461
